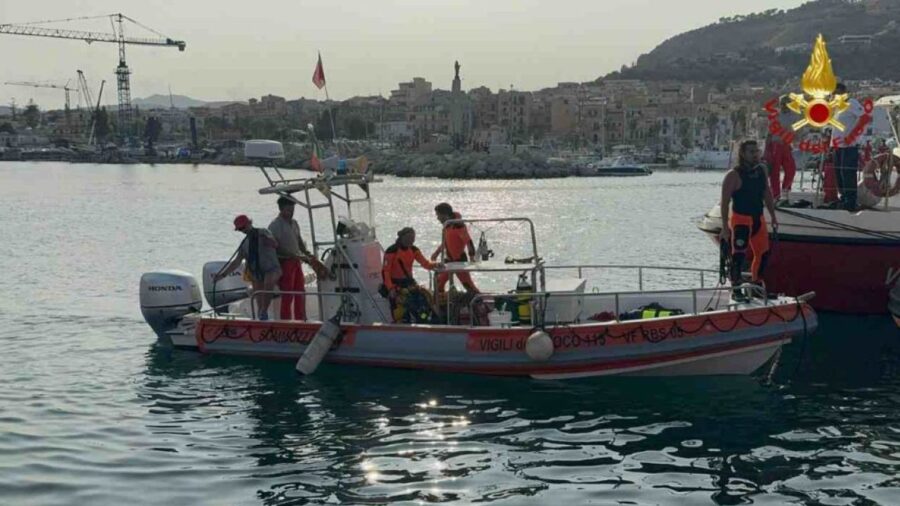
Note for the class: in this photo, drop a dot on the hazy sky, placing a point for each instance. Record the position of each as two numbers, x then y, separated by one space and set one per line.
239 49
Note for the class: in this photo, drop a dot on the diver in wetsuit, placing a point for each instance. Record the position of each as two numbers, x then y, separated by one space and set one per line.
744 192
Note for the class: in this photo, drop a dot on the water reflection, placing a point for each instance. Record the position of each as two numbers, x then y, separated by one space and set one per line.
356 434
93 414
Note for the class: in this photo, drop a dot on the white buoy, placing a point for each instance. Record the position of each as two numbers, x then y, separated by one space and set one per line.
318 347
539 346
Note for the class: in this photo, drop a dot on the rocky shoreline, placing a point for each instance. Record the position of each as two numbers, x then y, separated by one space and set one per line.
454 165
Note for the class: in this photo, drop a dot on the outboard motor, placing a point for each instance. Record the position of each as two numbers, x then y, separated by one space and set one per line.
166 297
894 303
230 289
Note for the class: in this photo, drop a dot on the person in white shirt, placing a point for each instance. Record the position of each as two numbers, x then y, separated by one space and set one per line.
846 156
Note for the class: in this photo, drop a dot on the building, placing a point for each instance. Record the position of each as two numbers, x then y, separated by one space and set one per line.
591 120
484 104
411 93
431 116
269 106
235 111
563 115
514 112
395 132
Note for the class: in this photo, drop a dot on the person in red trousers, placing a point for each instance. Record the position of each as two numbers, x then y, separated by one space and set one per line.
780 156
292 253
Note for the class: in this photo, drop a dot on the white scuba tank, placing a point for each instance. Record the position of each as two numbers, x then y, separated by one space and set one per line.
319 346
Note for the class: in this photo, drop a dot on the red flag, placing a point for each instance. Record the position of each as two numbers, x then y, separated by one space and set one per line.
319 74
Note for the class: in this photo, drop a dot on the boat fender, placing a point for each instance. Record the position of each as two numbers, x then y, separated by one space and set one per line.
318 347
539 346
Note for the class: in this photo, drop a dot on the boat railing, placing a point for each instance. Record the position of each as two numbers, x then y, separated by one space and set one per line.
214 311
641 269
538 300
464 221
319 295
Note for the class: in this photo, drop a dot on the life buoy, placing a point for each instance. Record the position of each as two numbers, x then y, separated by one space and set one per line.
877 175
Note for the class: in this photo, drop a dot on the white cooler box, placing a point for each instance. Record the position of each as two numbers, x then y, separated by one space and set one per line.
565 308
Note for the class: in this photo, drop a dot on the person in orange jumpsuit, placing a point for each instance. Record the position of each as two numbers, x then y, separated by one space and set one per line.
455 244
398 261
745 191
397 271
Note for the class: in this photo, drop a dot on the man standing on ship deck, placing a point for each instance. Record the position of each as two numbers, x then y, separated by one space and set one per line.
746 187
258 249
291 253
846 156
778 155
455 243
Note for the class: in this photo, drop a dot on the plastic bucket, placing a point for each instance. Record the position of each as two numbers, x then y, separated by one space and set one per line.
499 318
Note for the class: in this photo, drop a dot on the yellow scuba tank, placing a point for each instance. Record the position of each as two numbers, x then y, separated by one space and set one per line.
524 291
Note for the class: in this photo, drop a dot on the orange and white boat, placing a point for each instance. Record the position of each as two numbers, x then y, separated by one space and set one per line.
569 327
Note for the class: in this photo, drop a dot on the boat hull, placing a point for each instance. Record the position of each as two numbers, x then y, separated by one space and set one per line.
721 342
622 172
894 305
842 281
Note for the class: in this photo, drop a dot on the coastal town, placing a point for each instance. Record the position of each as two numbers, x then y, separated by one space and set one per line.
668 123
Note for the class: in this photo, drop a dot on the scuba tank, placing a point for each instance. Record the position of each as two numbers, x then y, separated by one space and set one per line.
524 290
483 251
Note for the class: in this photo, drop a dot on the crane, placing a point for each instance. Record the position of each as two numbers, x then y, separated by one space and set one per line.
88 98
85 90
64 87
117 36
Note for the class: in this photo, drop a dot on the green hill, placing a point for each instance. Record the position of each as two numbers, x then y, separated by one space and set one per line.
863 39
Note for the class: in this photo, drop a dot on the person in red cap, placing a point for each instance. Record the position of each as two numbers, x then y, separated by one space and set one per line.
258 249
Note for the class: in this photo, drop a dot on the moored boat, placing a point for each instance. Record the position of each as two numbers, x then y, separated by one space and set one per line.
560 325
620 166
708 159
849 259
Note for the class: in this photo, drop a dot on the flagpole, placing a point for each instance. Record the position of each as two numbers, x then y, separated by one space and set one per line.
330 117
320 82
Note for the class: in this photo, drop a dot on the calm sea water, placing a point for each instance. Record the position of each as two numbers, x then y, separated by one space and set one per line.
93 412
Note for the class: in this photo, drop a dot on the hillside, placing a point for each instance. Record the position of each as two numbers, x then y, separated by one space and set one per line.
180 102
162 102
774 45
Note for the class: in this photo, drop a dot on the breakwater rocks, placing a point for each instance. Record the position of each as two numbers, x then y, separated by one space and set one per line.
470 166
454 165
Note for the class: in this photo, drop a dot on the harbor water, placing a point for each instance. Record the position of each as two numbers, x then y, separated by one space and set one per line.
94 412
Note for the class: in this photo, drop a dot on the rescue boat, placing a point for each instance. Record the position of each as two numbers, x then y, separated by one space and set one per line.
556 324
